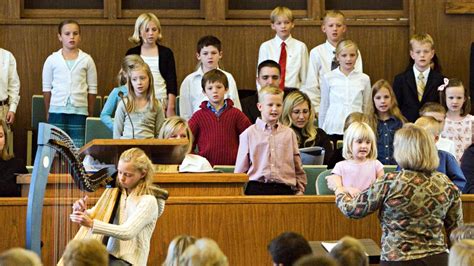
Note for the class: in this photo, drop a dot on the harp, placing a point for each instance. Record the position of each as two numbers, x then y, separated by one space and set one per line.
53 143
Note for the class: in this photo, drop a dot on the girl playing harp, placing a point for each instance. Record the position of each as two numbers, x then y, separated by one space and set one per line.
141 203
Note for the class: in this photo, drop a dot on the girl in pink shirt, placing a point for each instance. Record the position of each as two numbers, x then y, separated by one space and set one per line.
361 168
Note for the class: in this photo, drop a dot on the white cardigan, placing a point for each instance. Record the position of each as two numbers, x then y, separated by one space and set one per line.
65 83
136 219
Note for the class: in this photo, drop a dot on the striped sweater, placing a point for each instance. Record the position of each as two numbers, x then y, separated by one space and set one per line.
217 138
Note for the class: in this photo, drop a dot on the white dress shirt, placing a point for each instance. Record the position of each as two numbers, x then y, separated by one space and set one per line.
296 59
9 80
320 59
340 96
191 95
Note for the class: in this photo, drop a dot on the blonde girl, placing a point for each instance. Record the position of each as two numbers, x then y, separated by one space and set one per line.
298 114
142 116
385 120
343 91
459 124
176 248
141 203
462 253
361 167
69 84
147 36
106 116
9 165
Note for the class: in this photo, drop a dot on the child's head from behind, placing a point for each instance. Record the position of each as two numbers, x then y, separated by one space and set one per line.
69 34
270 104
268 73
128 63
349 252
462 253
135 171
297 110
282 21
147 30
414 149
176 127
215 85
287 248
431 125
209 52
19 256
355 117
422 50
359 142
465 231
334 26
85 252
384 99
176 248
433 109
346 55
455 97
203 252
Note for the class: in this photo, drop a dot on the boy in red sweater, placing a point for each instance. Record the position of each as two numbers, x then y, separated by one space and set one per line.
217 125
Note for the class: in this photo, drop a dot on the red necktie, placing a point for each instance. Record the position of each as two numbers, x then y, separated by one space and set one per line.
282 63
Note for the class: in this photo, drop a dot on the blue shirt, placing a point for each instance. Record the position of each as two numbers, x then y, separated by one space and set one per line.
217 112
450 167
110 105
385 134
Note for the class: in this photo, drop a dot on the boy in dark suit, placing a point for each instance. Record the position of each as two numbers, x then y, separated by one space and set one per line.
419 83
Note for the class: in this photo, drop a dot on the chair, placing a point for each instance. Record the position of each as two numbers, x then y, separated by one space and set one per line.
312 155
97 106
225 168
312 172
390 168
339 144
176 105
95 129
38 114
322 184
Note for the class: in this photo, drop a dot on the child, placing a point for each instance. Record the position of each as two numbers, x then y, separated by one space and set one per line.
9 166
465 231
447 163
69 84
205 252
349 252
321 57
111 104
459 124
147 36
141 204
291 54
86 251
140 105
176 248
361 168
438 112
208 53
343 91
268 151
462 253
217 126
417 85
287 248
385 120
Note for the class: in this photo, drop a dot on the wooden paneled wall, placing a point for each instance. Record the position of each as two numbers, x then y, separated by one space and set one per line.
383 44
242 226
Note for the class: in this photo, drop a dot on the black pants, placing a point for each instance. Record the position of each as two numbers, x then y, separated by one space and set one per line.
434 260
260 188
114 261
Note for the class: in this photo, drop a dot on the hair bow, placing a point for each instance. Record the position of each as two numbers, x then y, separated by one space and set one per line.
443 86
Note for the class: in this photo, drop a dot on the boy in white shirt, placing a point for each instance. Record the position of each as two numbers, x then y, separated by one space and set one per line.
191 96
321 57
291 54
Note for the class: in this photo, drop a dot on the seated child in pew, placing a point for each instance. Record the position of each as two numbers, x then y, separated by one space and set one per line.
217 125
141 107
287 248
176 248
361 167
19 256
111 104
268 151
176 127
84 252
205 252
447 162
349 252
437 111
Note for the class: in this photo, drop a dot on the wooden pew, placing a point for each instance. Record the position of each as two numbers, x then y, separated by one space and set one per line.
242 226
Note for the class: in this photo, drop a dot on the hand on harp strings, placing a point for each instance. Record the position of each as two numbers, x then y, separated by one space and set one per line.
81 218
80 204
